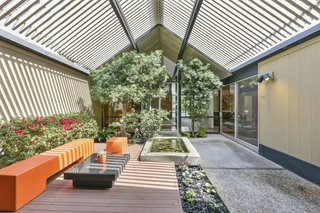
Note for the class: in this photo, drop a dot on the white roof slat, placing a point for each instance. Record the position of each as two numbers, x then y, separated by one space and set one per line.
90 29
177 12
65 16
66 29
107 37
19 12
94 37
140 15
49 20
34 19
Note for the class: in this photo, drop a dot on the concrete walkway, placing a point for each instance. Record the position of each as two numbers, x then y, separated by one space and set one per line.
247 182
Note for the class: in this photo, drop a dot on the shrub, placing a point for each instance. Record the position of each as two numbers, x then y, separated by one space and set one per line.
104 134
22 138
147 123
186 134
201 133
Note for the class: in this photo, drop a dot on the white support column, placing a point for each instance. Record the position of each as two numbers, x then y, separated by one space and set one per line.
211 111
220 110
236 109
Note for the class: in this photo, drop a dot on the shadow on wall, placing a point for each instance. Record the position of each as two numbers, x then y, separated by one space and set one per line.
34 86
83 107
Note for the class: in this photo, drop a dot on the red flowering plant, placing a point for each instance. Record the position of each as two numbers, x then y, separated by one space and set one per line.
21 138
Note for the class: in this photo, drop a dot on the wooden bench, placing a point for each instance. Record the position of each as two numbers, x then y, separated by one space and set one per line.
23 181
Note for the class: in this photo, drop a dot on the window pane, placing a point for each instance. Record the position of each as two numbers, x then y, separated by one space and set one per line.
212 122
228 109
248 111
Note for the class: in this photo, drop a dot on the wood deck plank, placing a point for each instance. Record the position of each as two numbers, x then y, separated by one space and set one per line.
142 187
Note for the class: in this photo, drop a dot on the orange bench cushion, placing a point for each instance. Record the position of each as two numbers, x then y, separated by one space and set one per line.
71 152
23 181
117 145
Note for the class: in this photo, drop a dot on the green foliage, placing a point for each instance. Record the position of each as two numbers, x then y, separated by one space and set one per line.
198 83
190 195
26 137
187 181
186 134
209 188
105 134
201 133
183 167
148 122
199 195
198 175
136 77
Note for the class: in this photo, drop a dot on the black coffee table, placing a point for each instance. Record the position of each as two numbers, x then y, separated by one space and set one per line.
91 174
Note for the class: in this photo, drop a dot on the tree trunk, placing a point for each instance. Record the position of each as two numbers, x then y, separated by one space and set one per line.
192 126
192 118
124 113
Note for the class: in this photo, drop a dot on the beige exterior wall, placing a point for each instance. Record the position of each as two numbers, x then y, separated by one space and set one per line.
33 85
289 106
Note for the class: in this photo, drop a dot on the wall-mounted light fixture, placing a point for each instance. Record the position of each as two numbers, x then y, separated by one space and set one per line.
265 77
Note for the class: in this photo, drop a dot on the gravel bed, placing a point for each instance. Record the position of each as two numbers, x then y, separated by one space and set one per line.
196 192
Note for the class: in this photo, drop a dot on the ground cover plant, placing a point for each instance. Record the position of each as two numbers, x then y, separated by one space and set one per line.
196 192
22 138
201 133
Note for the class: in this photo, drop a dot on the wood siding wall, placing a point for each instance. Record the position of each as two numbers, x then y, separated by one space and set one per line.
289 106
33 85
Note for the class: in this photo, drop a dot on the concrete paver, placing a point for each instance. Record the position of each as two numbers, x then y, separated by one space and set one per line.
247 182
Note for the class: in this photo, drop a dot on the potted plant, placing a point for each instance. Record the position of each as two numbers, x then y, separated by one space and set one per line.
101 157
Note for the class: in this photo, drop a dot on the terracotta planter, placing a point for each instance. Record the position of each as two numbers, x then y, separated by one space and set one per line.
101 158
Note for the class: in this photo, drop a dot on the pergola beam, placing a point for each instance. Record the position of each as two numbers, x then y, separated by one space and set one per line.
123 21
192 20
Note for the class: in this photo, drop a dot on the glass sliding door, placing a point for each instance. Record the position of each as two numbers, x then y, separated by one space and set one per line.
169 103
228 107
247 111
211 122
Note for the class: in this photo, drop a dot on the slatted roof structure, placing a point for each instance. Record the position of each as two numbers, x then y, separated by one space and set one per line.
89 33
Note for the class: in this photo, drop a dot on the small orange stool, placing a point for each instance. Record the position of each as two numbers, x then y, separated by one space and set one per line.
117 145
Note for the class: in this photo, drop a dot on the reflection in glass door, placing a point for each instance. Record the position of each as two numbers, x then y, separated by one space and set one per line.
247 111
211 122
168 103
227 105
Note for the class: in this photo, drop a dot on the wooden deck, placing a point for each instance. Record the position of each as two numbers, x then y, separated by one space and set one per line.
142 187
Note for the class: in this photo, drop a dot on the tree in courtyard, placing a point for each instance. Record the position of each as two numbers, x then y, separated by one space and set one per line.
134 78
197 83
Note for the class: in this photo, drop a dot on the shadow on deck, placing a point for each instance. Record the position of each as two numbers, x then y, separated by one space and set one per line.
142 187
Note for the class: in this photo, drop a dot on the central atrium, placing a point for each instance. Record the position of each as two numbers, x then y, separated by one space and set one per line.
262 113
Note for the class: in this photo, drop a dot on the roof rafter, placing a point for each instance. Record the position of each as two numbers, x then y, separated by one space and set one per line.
192 20
123 21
